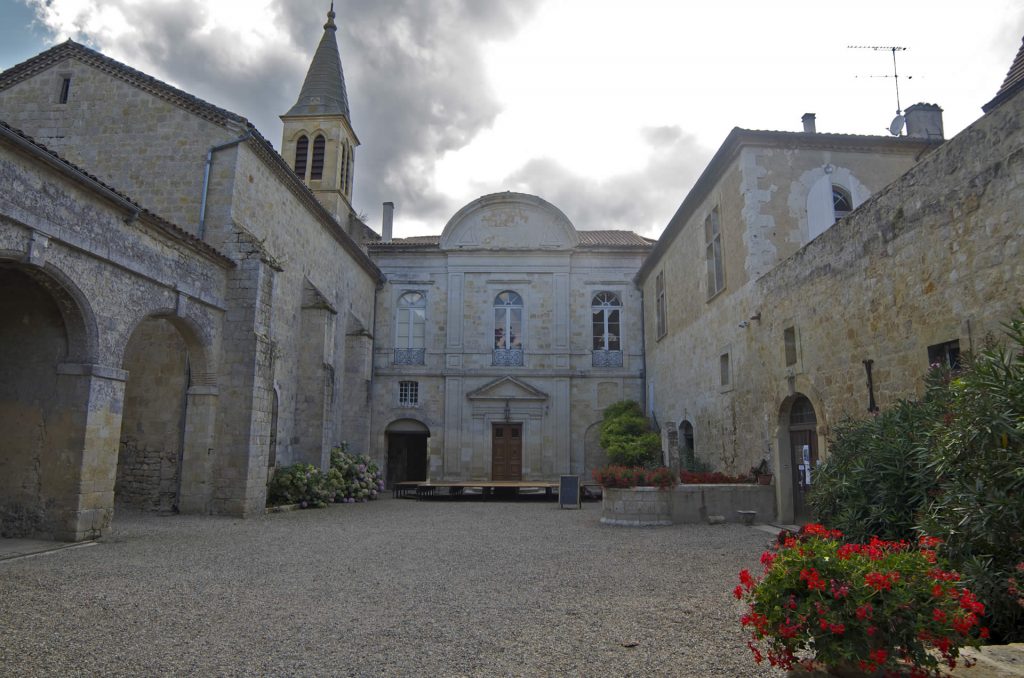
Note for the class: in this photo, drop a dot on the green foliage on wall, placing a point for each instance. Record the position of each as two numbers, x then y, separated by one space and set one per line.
627 438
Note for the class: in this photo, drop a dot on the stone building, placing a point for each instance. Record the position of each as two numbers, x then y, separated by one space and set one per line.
163 350
796 286
500 342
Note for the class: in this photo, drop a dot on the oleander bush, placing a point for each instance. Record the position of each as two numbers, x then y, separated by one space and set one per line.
949 465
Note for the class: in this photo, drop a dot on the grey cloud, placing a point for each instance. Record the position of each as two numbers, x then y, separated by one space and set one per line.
642 201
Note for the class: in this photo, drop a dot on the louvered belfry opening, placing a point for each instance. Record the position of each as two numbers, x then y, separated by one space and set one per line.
317 171
301 152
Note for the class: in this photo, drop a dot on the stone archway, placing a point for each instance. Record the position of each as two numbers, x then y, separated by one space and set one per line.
164 460
799 450
46 402
407 455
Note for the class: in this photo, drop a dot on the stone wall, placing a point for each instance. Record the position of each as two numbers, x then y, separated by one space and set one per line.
931 258
152 429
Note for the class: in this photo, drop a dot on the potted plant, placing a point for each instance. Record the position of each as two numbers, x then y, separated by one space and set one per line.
762 473
885 607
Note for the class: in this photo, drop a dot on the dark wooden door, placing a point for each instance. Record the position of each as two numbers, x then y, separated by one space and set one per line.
507 452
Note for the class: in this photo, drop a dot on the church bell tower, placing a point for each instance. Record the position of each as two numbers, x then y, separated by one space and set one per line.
318 140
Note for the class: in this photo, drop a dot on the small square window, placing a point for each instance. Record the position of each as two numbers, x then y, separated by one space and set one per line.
789 339
946 354
723 368
408 393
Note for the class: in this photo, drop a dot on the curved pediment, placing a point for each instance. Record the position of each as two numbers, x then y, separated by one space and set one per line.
509 221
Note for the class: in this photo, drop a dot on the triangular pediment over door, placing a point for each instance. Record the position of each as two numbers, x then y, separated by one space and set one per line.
507 388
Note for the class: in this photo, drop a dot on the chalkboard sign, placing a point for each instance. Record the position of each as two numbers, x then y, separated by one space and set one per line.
569 492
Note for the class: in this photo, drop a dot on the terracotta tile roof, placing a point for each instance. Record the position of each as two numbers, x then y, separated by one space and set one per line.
588 239
52 158
1013 83
614 239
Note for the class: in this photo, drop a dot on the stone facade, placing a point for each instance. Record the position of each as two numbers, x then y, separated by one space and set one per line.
930 259
545 377
245 289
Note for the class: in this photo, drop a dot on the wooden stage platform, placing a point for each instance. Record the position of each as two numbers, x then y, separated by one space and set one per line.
456 488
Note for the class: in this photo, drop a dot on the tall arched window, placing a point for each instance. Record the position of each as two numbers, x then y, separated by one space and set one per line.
317 170
301 153
410 325
842 203
508 329
343 167
351 172
606 313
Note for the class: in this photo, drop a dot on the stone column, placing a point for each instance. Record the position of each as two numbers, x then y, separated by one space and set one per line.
88 459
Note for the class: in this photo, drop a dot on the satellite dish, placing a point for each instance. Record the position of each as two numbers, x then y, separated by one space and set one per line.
896 126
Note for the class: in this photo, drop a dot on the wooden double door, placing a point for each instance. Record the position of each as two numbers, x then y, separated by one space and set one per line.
507 451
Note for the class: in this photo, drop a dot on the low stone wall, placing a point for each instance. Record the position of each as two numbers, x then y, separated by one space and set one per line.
636 506
647 506
694 503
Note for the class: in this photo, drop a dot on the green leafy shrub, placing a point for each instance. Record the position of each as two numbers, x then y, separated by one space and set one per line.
350 478
626 436
978 458
950 465
876 479
879 606
353 477
301 484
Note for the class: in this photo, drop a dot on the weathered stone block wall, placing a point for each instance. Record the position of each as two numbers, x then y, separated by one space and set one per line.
148 148
152 429
933 257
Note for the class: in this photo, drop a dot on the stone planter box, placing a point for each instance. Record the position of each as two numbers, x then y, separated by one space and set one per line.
694 503
636 506
647 506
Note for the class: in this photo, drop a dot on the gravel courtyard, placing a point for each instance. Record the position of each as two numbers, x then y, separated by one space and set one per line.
390 588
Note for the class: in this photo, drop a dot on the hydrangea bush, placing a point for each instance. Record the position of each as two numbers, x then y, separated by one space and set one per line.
882 606
350 478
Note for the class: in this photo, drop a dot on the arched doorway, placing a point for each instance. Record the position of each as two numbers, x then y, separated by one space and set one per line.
686 454
803 450
407 451
42 405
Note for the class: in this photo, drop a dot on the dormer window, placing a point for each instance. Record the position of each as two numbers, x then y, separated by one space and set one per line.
317 170
301 153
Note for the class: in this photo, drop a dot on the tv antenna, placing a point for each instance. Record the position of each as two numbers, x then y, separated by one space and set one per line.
896 126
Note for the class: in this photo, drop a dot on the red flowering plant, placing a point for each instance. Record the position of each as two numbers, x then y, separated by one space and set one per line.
631 476
886 606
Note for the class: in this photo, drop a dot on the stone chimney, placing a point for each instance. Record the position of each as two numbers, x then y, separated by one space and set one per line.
924 121
389 219
808 120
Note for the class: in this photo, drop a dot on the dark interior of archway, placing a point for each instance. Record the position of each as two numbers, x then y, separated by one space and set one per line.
33 341
152 424
407 457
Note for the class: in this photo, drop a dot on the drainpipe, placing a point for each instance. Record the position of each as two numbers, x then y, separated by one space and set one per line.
643 346
206 178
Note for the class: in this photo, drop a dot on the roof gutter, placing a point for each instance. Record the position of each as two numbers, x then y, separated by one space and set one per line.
201 232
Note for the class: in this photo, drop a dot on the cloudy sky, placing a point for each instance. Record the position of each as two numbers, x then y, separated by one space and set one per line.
608 109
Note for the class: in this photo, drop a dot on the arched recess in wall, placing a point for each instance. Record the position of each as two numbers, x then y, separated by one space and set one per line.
834 194
316 169
594 455
47 342
407 451
686 445
167 420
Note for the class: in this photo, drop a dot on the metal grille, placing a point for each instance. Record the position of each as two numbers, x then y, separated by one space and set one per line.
607 359
410 356
508 357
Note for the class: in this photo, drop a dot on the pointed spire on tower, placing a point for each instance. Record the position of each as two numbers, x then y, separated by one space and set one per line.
323 91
